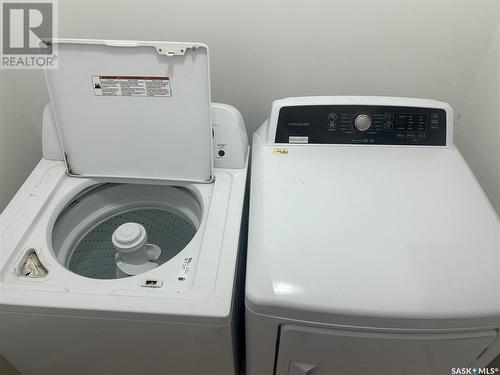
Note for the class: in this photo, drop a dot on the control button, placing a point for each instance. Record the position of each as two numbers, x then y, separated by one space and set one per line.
435 116
332 117
222 153
400 135
421 135
362 122
388 126
332 126
410 135
388 117
434 127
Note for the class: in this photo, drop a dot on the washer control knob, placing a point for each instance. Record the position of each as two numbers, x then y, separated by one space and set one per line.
362 122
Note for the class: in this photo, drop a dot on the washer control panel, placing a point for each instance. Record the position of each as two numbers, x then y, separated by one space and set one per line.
361 124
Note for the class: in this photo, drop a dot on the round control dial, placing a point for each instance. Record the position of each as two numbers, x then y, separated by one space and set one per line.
362 122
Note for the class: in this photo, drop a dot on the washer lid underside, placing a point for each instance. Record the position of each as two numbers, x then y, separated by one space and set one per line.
131 110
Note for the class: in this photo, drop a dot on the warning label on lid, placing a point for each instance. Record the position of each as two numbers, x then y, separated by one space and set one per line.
131 86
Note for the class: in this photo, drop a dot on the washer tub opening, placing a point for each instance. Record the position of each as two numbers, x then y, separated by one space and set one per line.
82 233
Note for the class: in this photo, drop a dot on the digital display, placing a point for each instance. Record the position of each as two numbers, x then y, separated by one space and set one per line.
410 122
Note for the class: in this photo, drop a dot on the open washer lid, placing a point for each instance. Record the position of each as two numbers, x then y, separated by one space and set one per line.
133 109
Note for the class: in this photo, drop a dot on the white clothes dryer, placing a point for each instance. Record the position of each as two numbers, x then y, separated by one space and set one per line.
372 249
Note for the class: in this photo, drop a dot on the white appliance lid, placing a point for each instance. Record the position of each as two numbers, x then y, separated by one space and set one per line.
133 109
370 233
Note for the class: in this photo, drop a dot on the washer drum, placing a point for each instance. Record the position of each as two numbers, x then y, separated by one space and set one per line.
82 234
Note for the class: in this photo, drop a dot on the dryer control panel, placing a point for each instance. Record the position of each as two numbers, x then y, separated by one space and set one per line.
361 124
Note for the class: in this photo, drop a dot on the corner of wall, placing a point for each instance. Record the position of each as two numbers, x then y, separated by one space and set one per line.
477 133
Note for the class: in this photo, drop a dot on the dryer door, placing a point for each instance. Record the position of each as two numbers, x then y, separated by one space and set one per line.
314 351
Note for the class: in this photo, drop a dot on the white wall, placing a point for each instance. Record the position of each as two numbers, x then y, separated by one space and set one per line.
478 128
261 51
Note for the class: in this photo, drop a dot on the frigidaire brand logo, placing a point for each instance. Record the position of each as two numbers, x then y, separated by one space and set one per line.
474 370
298 124
27 33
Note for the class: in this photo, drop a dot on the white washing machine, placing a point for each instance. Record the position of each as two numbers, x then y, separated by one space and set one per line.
372 249
119 252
